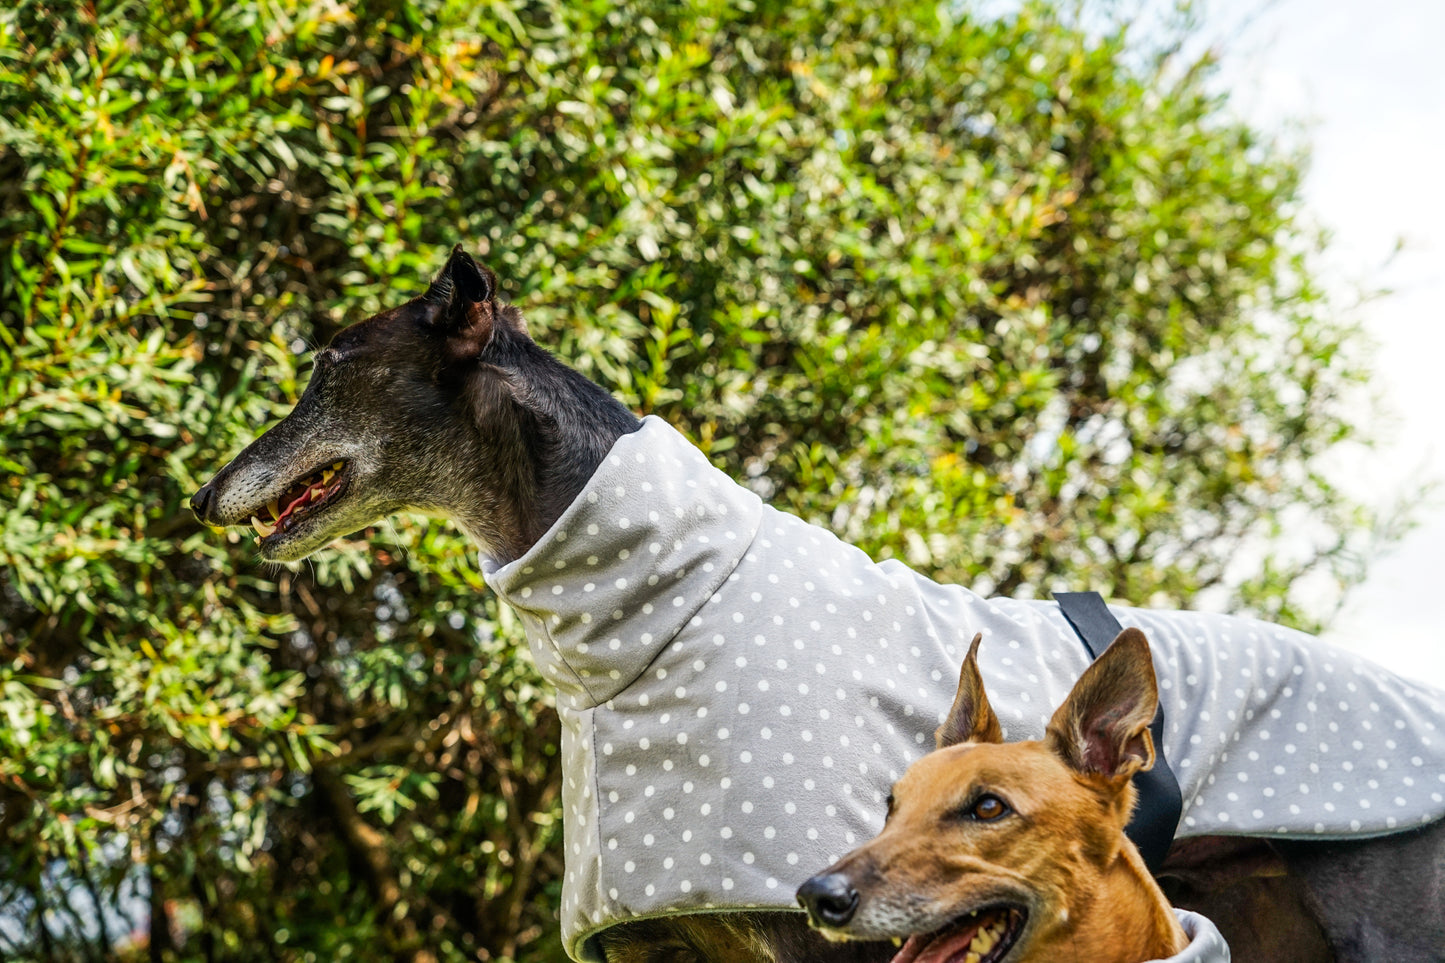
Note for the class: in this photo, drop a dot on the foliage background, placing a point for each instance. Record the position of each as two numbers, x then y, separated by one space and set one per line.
1009 298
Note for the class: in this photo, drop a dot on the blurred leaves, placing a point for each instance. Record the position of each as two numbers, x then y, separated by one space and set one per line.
1014 301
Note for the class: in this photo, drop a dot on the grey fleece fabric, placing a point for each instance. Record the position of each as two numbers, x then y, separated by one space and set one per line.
1206 944
739 689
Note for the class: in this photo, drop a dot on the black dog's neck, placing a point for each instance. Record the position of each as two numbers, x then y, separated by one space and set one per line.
544 429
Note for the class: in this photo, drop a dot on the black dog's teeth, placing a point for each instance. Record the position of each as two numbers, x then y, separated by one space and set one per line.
301 494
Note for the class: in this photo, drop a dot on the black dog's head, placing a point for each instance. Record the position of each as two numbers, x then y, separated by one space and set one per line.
441 405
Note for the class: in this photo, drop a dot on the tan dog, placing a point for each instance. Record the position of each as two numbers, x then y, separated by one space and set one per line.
1015 852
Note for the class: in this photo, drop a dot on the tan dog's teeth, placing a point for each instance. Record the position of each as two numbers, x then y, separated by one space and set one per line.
984 941
262 528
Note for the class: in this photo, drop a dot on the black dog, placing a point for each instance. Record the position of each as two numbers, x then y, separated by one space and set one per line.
445 405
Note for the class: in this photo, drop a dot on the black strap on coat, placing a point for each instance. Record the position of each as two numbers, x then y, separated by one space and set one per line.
1156 815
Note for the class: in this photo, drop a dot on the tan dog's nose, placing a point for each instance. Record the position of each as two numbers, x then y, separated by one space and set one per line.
829 898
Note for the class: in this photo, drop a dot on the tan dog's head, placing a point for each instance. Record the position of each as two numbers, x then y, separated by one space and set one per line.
993 852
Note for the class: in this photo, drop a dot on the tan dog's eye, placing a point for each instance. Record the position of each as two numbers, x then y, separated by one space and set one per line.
987 808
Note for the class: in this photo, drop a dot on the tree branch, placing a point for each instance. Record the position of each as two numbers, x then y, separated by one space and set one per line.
369 847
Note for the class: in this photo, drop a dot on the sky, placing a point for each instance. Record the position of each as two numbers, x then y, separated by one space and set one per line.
1365 80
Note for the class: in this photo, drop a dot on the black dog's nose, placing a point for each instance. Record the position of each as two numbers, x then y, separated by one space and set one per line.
829 899
203 501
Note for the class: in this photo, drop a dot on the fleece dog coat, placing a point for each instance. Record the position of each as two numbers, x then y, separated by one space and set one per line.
1206 945
739 689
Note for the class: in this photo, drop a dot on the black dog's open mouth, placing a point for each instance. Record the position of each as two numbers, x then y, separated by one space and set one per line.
302 498
983 936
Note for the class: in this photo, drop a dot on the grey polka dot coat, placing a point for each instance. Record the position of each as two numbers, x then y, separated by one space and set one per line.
739 689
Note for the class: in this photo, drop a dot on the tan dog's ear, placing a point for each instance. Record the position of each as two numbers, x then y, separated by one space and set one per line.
971 719
1103 726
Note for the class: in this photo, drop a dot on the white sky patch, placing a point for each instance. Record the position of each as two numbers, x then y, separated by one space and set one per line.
1367 84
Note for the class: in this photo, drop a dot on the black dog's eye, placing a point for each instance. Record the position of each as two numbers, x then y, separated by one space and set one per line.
987 808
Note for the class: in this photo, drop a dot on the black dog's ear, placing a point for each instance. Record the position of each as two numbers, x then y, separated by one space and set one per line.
971 718
473 283
463 281
465 294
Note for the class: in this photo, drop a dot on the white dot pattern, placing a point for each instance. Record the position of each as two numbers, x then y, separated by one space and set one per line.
739 690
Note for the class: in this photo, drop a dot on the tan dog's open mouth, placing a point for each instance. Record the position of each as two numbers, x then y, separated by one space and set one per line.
303 497
982 936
